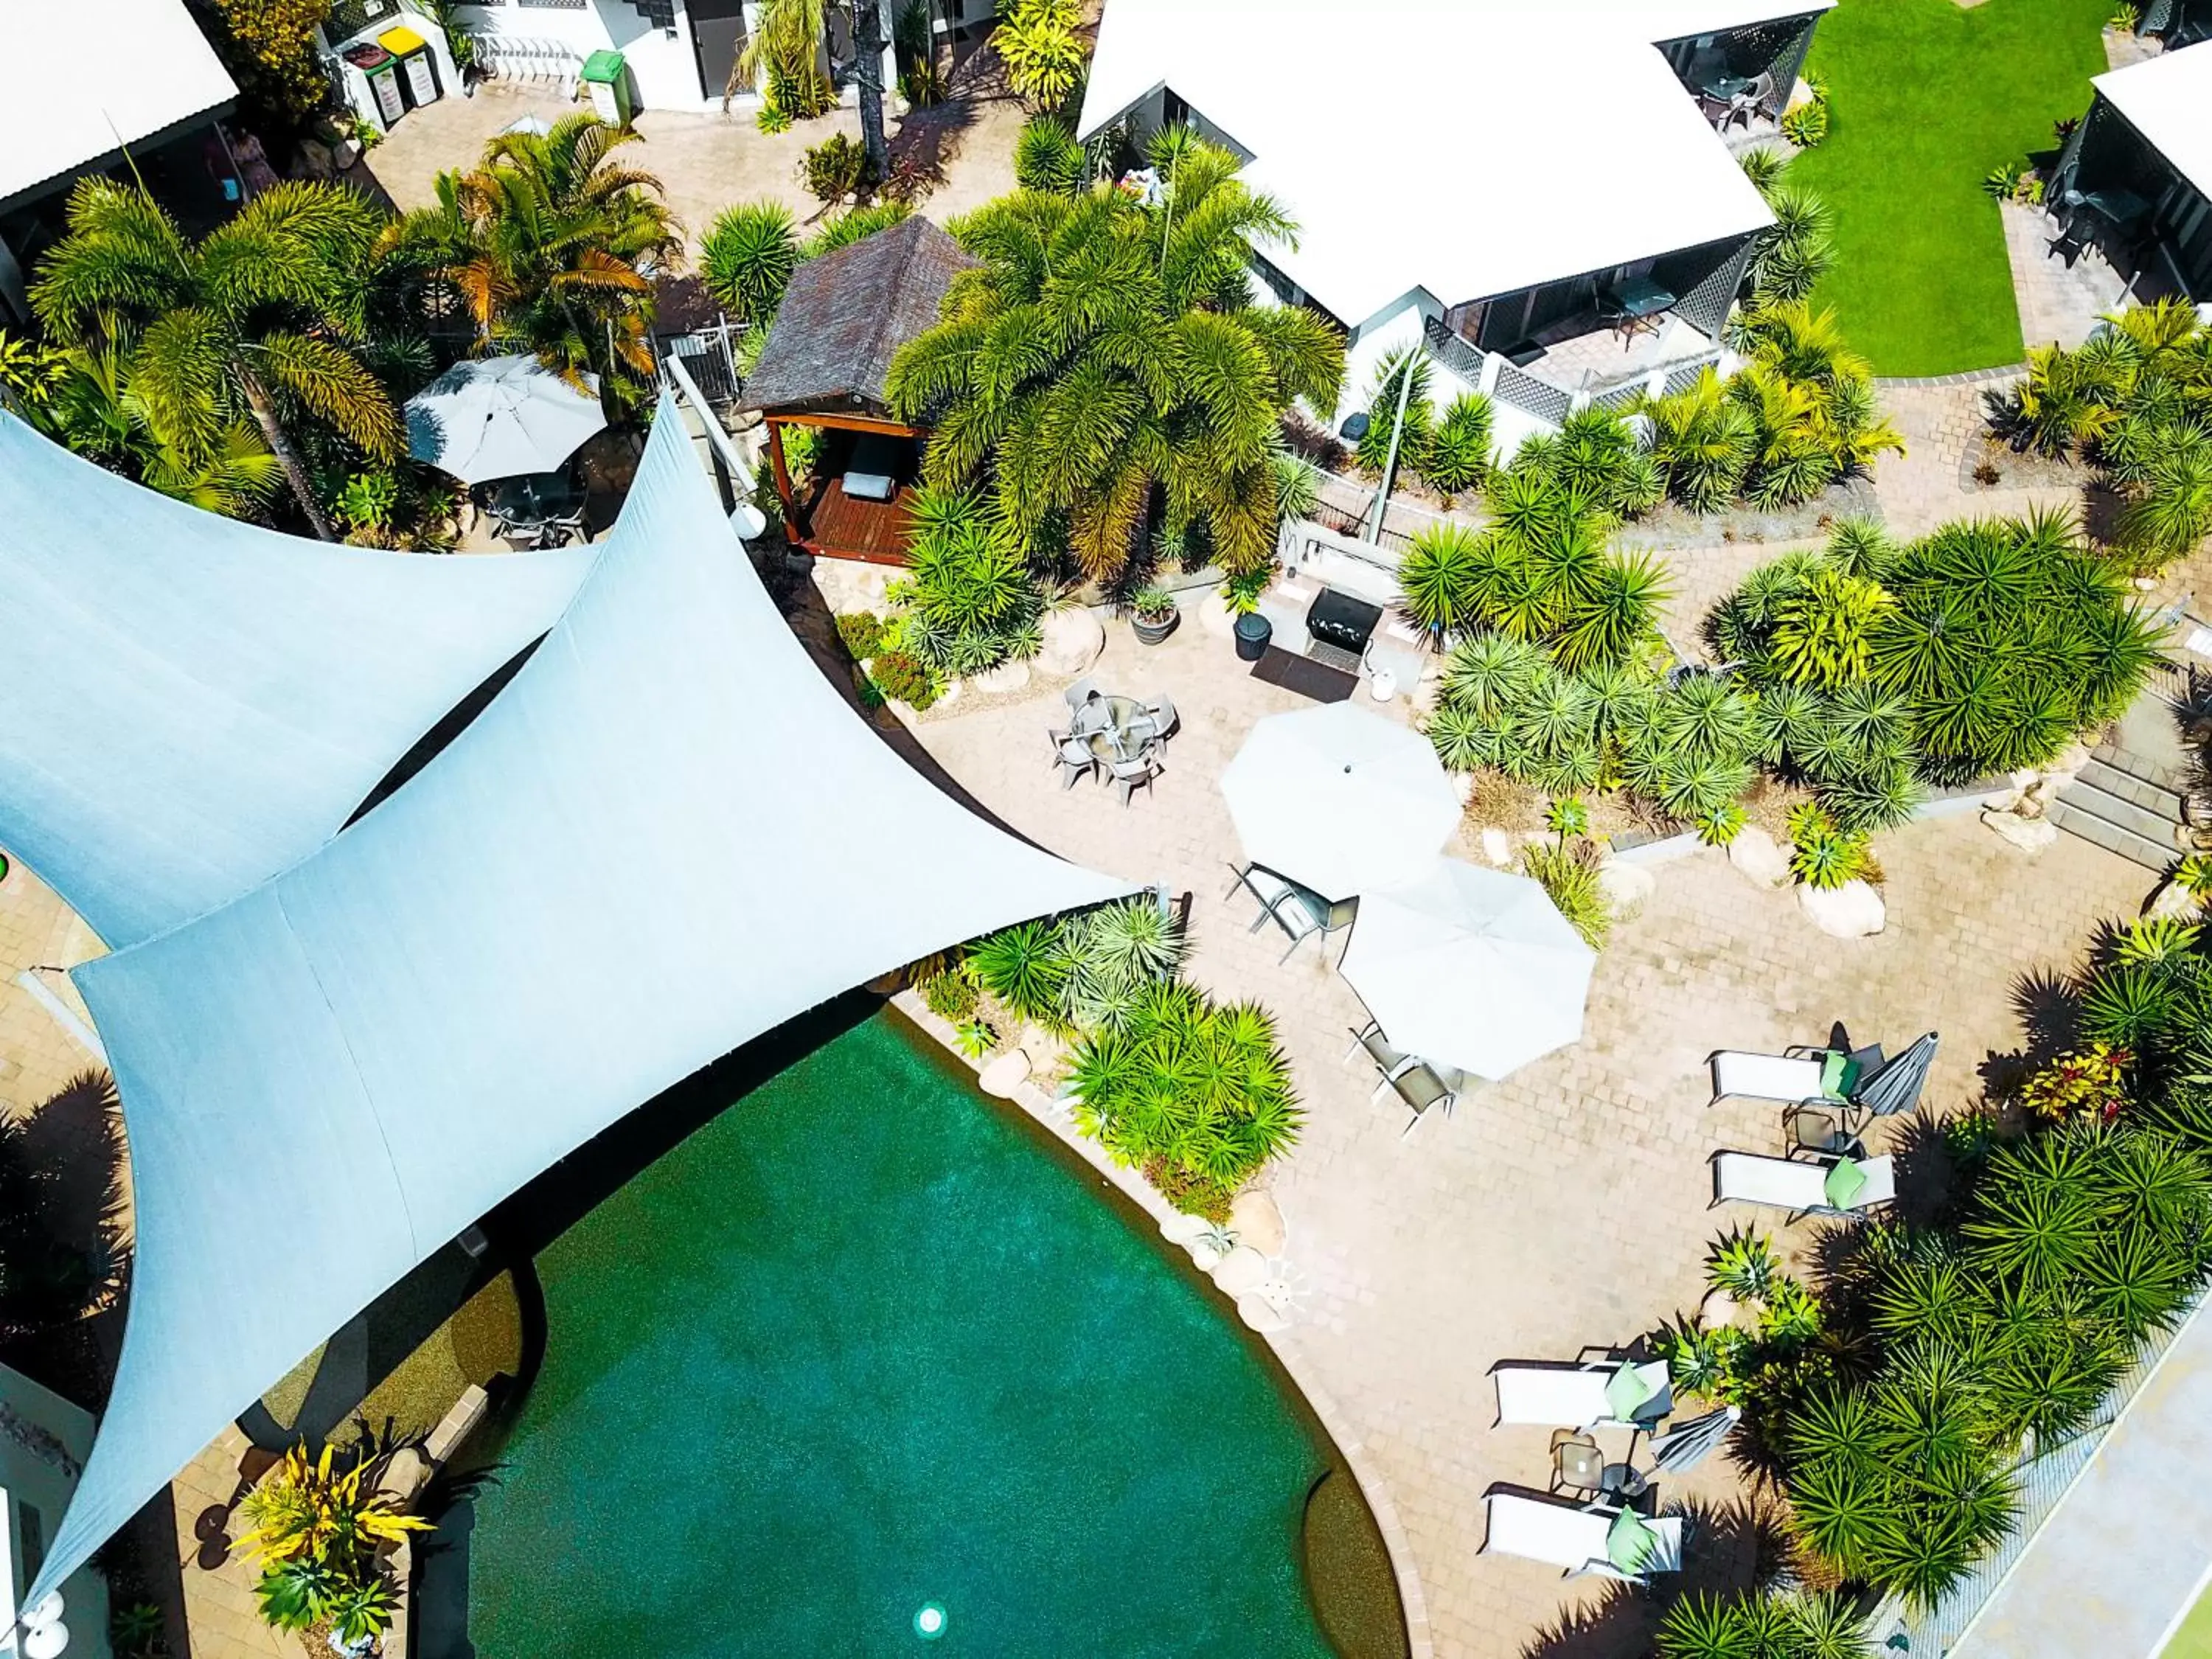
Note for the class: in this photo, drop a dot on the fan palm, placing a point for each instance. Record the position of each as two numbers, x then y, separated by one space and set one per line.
263 308
1105 366
552 248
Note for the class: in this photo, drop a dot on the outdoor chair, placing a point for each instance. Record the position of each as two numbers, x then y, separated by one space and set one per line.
1387 1059
1134 775
1833 1186
1820 1129
1421 1086
1073 756
1582 1395
1593 1539
1263 884
1800 1074
1304 914
1081 694
1164 718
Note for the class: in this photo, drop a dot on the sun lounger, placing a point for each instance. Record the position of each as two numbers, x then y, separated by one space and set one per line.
1577 1537
1575 1396
1764 1077
1802 1185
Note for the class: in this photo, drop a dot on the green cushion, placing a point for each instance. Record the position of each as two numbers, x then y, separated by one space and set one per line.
1845 1182
1839 1073
1629 1544
1625 1391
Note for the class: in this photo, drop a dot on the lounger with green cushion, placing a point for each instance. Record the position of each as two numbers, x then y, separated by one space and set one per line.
1613 1393
1825 1186
1811 1074
1584 1540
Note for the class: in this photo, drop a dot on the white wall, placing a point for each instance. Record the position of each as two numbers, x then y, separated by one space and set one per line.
1397 325
663 72
44 1441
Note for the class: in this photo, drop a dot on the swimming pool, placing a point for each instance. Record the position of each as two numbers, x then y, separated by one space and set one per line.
867 1342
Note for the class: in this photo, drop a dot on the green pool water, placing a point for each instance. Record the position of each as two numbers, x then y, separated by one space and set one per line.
864 1342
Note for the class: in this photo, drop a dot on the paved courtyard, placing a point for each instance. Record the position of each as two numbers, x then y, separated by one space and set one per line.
1567 1205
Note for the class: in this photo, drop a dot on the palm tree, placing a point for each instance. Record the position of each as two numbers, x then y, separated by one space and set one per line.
868 72
785 52
269 304
1106 366
551 247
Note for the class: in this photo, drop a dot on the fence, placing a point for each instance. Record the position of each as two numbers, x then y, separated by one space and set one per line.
2042 1479
708 357
1501 378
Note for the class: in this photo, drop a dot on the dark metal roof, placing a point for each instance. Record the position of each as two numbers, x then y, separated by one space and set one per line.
846 314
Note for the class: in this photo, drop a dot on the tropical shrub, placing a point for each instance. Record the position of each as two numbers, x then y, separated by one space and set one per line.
1788 258
1756 1626
1458 454
1822 854
903 678
553 245
316 1531
2134 401
1037 42
61 1252
966 604
920 81
1567 870
950 995
782 59
862 632
2087 1082
1047 157
1196 1091
835 168
1105 373
1115 953
1807 124
270 46
747 257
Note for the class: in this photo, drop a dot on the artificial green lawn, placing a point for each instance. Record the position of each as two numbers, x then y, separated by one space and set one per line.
2194 1640
1926 97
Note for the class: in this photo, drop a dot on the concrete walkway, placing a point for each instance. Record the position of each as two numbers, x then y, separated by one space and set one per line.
2127 1551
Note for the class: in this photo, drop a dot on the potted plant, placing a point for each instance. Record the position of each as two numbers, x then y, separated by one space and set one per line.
1152 614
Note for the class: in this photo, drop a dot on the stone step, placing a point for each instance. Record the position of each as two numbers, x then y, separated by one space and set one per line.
2128 802
2103 832
2135 788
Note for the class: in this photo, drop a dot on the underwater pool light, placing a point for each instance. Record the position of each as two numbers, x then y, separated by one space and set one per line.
929 1623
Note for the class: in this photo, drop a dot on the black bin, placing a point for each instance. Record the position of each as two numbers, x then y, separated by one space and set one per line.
1253 633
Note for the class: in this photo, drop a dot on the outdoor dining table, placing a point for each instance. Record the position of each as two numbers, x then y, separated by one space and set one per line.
535 497
1635 306
1125 719
1726 89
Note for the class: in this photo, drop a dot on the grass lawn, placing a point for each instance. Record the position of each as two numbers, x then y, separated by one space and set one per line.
1926 97
2194 1640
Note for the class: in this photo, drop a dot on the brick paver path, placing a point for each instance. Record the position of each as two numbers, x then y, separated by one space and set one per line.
1567 1205
38 1054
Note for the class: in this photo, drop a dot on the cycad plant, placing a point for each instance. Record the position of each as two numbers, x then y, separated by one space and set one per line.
1106 366
1196 1094
264 319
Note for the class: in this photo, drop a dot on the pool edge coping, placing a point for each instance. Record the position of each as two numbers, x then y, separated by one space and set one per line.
1133 1186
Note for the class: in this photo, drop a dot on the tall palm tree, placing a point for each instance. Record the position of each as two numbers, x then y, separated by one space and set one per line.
868 74
267 304
551 247
1106 366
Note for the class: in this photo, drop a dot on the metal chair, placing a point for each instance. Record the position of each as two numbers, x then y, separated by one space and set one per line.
1164 718
1821 1129
1387 1059
1304 914
1419 1086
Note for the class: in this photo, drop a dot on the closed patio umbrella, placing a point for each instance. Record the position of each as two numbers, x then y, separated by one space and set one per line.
1896 1087
1683 1448
1470 968
501 418
1339 800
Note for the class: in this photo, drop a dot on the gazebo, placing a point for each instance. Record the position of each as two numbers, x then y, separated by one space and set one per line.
844 317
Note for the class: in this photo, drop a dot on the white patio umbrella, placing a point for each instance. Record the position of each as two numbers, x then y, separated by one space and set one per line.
1341 800
1470 968
499 418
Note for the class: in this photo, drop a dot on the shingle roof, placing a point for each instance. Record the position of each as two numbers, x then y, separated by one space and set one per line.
846 314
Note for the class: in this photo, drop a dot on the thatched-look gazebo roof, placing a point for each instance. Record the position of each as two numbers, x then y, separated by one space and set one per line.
844 317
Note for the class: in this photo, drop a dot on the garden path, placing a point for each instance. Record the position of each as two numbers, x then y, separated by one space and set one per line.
1568 1204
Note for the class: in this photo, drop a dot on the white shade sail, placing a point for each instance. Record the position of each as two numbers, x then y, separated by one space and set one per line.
668 835
1470 968
189 705
501 418
1339 799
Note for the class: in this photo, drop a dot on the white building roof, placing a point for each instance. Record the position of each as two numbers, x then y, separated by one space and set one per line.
1469 148
189 704
92 75
668 835
2168 99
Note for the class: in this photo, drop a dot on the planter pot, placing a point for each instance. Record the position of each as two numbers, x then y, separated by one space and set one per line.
1152 629
1253 633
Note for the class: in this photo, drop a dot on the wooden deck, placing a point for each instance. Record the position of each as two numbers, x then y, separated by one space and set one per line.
843 528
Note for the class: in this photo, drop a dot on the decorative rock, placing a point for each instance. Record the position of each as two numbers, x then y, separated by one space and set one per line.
1625 886
1209 1249
1007 677
1261 1314
1759 856
2029 834
1851 911
1719 1312
345 152
1241 1270
1497 848
1072 639
1256 1221
1182 1229
1215 617
315 159
1463 787
1005 1074
2172 899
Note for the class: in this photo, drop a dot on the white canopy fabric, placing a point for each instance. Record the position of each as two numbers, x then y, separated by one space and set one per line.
188 704
668 835
1470 968
1597 156
1339 799
92 75
2165 99
499 417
